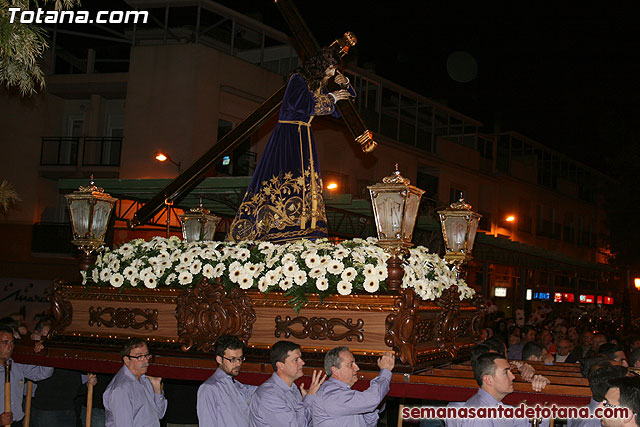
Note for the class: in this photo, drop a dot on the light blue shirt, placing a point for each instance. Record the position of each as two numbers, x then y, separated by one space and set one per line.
223 401
18 374
484 399
337 405
132 403
275 404
591 422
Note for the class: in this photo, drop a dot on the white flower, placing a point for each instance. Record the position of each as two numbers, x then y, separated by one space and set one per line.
324 259
171 278
234 275
344 287
130 273
349 274
263 284
322 284
290 268
105 273
369 270
180 268
335 267
95 275
185 258
287 258
286 283
243 254
150 281
207 271
340 253
312 260
218 270
185 278
371 285
300 278
317 272
381 272
245 281
195 267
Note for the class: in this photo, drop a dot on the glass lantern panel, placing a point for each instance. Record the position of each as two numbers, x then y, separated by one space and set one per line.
101 213
410 215
473 228
80 212
208 228
456 228
390 213
191 229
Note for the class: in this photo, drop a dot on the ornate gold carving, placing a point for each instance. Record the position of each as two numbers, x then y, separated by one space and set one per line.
319 328
61 309
123 317
207 311
366 142
400 327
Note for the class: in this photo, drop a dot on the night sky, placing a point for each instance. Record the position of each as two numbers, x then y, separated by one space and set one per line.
564 77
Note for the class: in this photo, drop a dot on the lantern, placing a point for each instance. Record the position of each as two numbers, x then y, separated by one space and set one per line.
198 224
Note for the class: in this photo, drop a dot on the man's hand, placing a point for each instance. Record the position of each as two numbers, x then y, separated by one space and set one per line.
6 418
317 378
539 382
387 361
527 372
93 379
38 347
156 382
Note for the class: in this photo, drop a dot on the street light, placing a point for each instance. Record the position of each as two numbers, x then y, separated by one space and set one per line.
89 208
636 283
510 218
395 208
459 227
163 157
198 224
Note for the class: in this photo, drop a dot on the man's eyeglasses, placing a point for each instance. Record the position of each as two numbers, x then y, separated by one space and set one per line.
141 356
606 404
234 359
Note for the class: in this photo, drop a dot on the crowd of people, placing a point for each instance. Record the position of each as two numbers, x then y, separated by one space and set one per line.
133 398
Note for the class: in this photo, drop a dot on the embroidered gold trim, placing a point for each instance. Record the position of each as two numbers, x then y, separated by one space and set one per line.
278 205
323 105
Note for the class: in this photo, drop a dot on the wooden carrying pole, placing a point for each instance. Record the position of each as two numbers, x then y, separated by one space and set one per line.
27 405
87 419
7 388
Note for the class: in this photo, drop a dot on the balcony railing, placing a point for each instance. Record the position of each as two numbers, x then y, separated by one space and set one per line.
80 151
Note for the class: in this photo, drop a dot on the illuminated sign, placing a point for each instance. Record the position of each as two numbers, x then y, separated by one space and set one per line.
546 296
529 294
568 297
587 299
557 297
226 160
500 292
599 299
608 300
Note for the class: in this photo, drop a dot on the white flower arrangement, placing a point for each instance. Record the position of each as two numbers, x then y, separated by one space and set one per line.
297 268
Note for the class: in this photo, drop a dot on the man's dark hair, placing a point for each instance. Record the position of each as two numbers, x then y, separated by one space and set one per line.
599 379
634 357
609 349
7 329
495 343
531 349
230 342
485 365
130 345
280 351
587 362
629 393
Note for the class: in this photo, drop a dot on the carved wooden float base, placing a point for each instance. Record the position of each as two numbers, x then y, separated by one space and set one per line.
423 334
